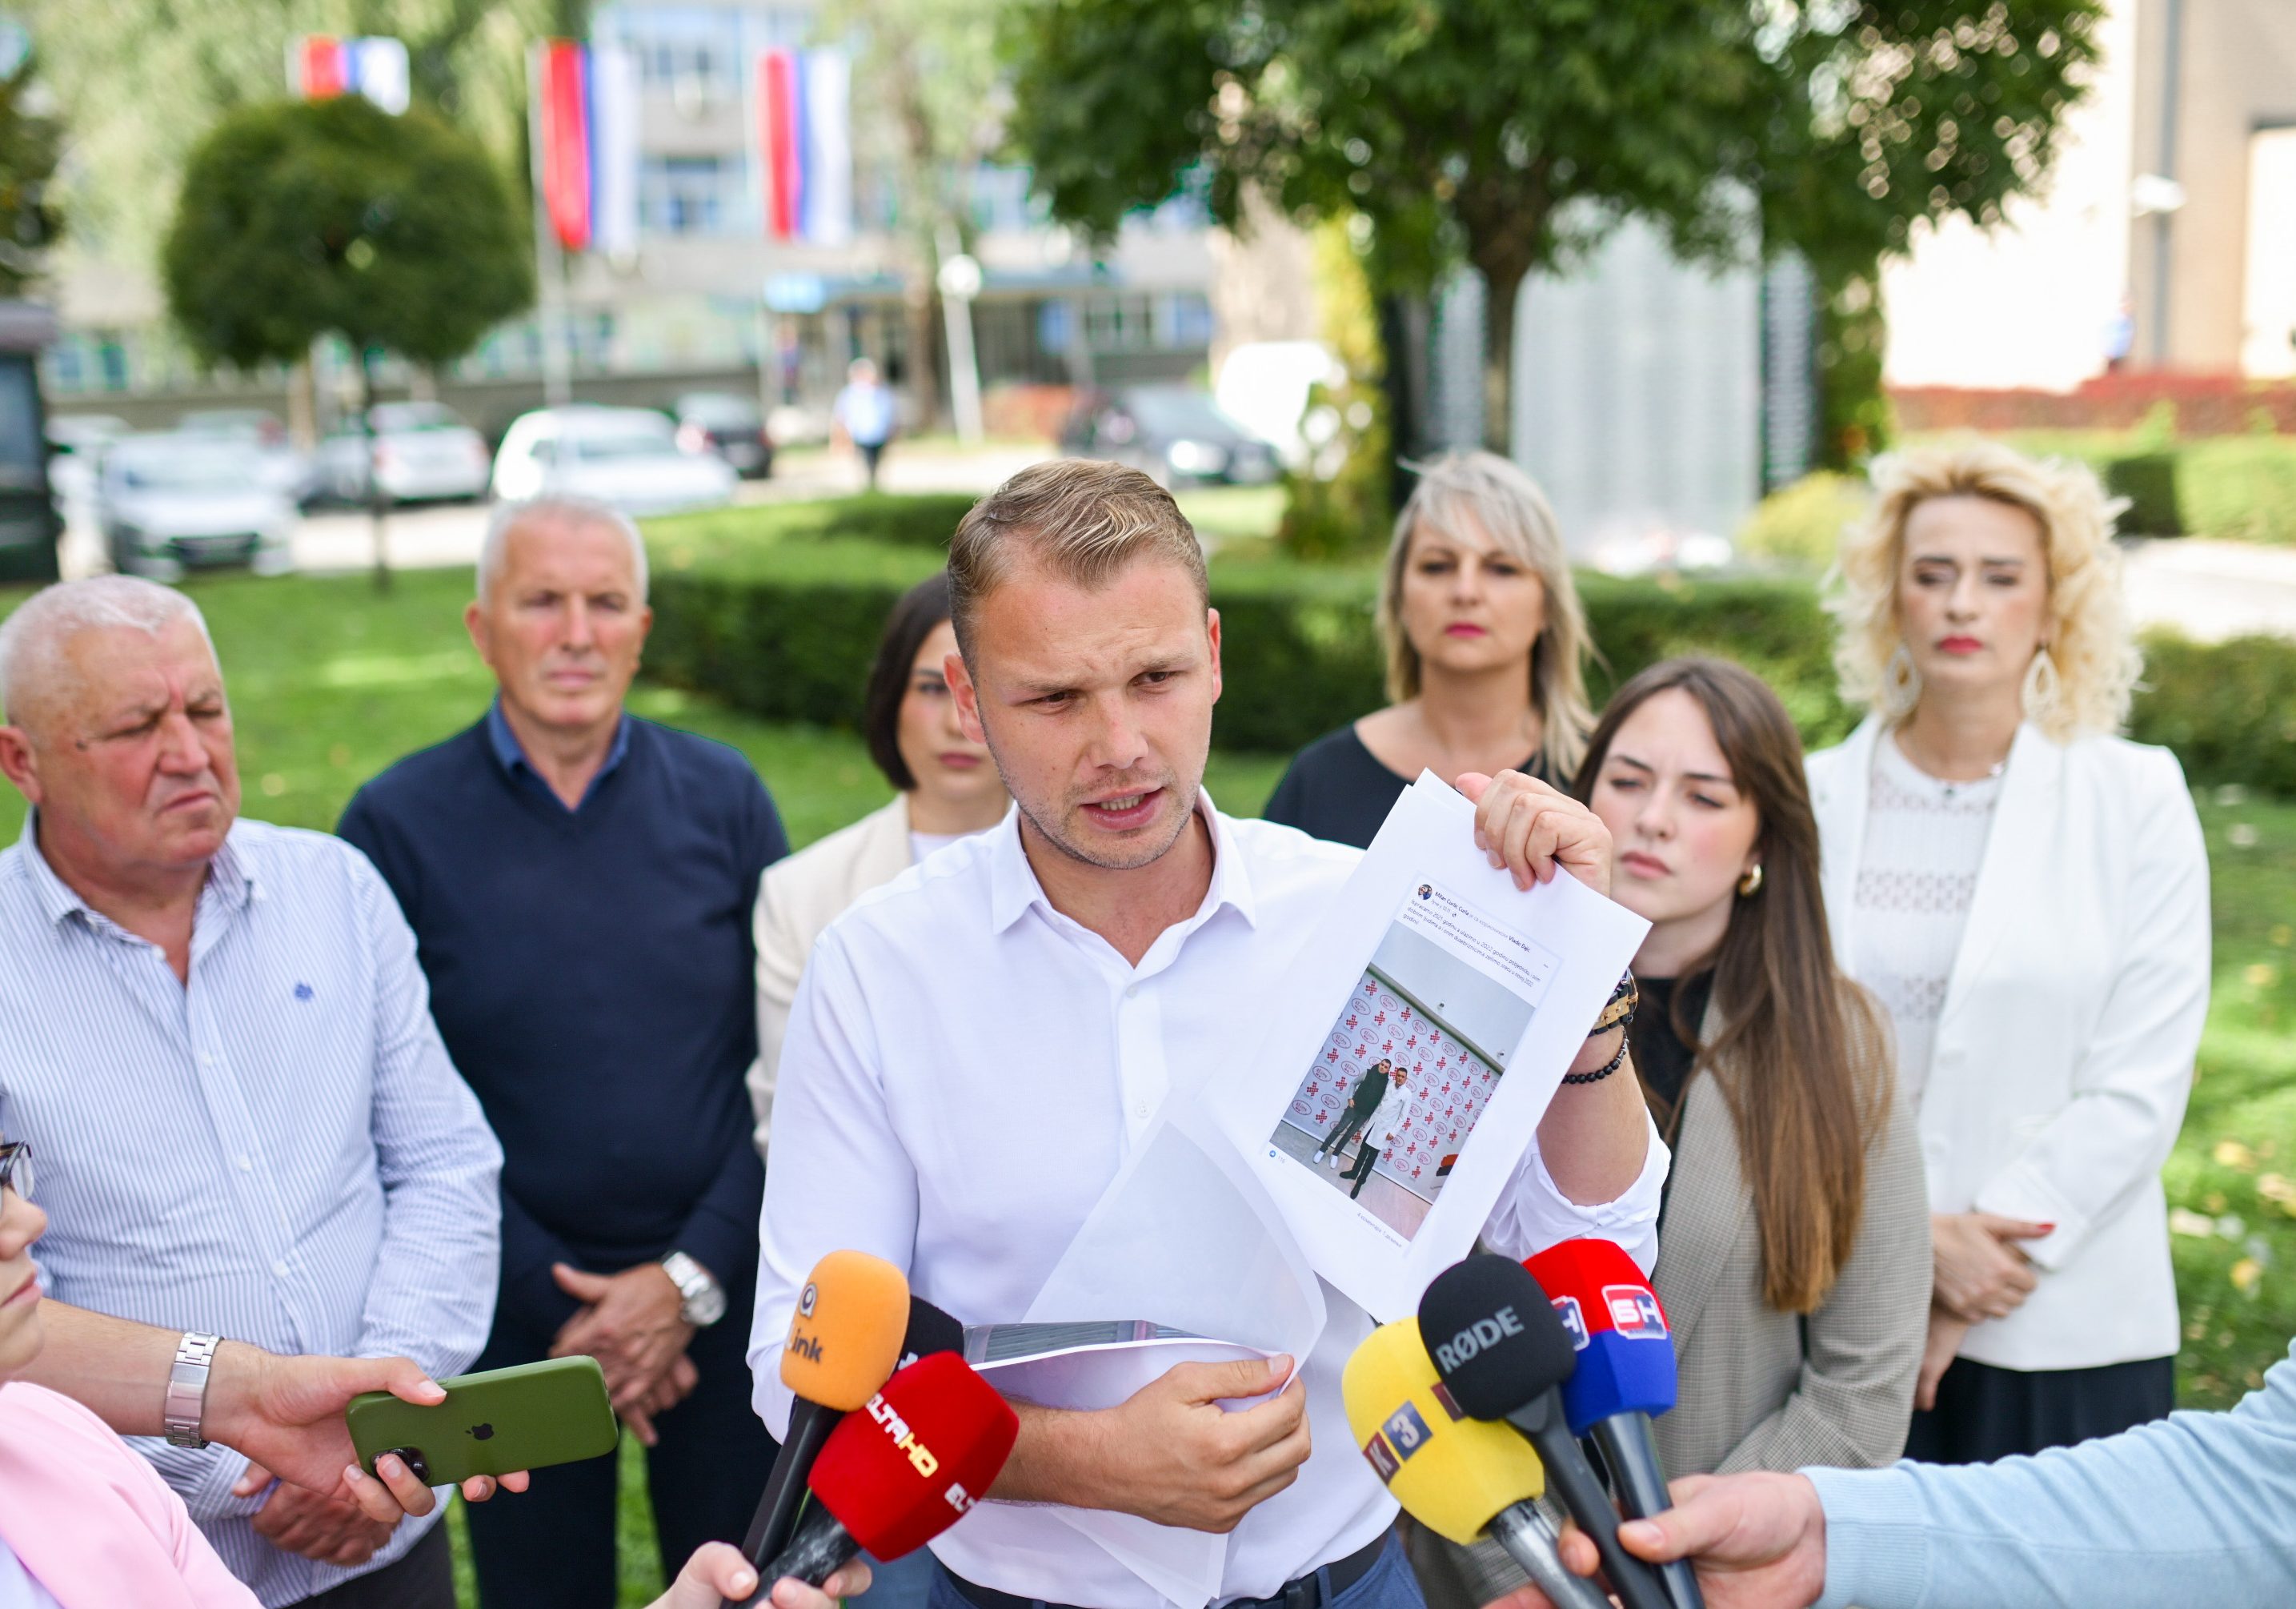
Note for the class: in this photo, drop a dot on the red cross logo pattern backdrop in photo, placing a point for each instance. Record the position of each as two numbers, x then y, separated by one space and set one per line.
1445 1085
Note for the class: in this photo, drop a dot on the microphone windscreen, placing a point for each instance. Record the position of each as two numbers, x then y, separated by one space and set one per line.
846 1335
917 1457
1451 1473
1625 1354
1495 1341
930 1331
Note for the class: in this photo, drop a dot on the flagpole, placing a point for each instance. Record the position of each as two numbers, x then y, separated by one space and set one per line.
549 261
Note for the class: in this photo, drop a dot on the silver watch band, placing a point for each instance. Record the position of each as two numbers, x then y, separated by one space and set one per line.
187 1389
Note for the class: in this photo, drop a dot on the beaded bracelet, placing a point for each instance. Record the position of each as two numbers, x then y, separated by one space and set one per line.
1598 1074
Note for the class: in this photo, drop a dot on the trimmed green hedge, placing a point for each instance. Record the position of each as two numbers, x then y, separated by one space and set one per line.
766 611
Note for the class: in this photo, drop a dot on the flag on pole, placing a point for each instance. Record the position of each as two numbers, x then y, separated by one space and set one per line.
588 102
805 145
321 67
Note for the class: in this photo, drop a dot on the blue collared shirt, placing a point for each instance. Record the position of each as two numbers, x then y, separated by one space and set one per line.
279 1152
511 756
2198 1508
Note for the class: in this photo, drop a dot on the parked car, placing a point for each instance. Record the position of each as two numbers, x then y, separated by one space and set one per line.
292 474
628 457
423 453
75 446
169 503
1174 433
728 425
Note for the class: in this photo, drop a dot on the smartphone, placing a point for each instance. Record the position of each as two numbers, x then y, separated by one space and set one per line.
491 1424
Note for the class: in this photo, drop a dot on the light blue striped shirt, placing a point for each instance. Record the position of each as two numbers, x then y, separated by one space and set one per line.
280 1152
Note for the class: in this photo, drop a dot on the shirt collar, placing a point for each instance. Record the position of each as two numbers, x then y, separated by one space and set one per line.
231 880
1013 888
509 755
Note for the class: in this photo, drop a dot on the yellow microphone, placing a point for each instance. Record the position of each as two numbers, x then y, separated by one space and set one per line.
1460 1477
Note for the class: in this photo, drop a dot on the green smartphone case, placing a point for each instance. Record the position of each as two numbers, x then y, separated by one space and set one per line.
527 1418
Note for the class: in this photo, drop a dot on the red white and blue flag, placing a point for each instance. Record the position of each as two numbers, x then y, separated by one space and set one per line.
805 145
321 67
587 134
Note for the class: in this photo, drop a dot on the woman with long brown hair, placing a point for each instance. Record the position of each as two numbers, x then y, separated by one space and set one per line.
1793 1247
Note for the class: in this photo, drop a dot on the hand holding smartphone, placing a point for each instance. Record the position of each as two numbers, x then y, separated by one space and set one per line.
491 1424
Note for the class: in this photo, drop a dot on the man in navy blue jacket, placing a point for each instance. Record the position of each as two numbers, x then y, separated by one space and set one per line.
580 883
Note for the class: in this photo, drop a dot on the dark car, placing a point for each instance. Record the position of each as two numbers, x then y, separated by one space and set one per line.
728 425
1174 433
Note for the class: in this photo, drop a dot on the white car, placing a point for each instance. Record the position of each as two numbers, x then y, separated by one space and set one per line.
628 457
423 453
169 503
285 470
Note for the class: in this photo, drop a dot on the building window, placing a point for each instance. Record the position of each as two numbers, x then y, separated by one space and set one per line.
693 52
687 195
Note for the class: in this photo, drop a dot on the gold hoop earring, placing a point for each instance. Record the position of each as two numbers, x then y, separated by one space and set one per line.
2043 686
1901 683
1751 884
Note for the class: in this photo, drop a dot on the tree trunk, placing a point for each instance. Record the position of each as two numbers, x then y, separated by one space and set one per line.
1500 288
921 304
374 501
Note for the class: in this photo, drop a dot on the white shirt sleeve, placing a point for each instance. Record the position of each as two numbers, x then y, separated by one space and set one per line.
839 1178
1533 1213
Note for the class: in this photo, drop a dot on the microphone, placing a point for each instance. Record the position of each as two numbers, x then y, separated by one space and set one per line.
929 1331
1502 1353
1458 1476
844 1339
896 1475
1625 1376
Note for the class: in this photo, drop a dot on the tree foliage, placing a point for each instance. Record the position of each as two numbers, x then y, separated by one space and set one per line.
1514 133
31 142
305 218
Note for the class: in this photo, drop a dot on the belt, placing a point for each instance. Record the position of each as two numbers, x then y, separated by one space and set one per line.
1306 1592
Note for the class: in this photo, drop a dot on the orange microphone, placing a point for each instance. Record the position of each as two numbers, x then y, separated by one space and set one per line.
844 1341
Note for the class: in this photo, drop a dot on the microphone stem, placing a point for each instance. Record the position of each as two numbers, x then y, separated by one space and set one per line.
1572 1479
770 1527
1631 1451
814 1554
1531 1542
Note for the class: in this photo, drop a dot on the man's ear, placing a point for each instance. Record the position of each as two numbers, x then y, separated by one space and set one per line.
19 764
967 696
474 621
1212 630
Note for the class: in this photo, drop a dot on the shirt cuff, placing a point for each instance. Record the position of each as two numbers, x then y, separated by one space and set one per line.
1630 1219
1876 1547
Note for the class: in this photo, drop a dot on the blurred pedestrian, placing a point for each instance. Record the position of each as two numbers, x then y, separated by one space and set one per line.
865 414
580 882
1486 642
946 788
218 1034
2028 896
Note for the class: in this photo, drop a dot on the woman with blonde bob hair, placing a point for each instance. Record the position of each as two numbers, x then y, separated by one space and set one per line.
1485 647
2026 893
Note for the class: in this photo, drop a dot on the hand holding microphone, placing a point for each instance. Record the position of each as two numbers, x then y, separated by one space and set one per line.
1458 1476
1624 1376
1502 1353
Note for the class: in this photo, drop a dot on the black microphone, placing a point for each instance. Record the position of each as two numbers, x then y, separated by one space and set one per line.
1503 1355
929 1331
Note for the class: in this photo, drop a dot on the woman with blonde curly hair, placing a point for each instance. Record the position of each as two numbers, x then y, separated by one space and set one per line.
2027 894
1486 646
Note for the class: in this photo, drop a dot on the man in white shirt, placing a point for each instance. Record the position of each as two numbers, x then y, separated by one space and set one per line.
978 1045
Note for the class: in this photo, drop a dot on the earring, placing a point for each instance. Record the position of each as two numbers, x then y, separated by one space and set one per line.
1750 884
1901 683
2043 686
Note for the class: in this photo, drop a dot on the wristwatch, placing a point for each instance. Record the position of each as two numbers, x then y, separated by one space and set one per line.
705 1298
187 1389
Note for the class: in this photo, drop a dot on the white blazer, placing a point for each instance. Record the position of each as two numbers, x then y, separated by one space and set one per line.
2064 1048
798 897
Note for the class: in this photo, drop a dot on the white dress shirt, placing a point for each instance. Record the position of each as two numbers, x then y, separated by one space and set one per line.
966 1070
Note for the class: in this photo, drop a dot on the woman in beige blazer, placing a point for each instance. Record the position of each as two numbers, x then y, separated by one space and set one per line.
946 788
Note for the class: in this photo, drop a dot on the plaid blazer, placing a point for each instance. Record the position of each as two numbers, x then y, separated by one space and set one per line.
1759 1389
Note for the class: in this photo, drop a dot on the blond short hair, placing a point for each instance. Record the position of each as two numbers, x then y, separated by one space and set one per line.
1083 520
1495 495
2089 632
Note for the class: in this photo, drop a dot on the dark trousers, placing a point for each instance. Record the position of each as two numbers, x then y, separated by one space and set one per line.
1985 1413
1349 1127
421 1578
554 1547
1367 1158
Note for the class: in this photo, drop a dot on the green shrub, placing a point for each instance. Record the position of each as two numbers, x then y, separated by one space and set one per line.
875 517
1801 525
2228 709
2240 487
2149 482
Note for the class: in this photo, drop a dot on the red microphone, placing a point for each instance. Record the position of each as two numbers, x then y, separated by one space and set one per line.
898 1473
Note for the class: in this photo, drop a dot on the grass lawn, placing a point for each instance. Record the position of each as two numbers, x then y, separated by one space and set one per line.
329 684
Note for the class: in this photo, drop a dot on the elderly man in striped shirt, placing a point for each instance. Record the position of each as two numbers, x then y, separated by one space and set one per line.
216 1035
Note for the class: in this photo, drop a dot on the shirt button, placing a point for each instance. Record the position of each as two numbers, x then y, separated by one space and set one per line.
1141 1112
206 1060
247 1164
1131 991
280 1269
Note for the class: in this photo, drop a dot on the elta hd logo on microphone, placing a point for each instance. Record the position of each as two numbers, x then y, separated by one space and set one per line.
921 1457
1634 1312
1477 1337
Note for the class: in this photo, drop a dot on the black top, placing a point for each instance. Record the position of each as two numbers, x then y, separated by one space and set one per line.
1371 1089
1661 1056
1337 790
593 975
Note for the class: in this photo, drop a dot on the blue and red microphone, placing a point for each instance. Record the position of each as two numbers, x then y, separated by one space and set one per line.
1625 1375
